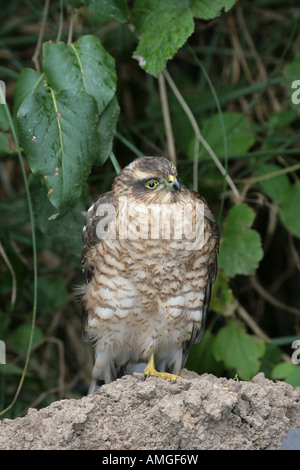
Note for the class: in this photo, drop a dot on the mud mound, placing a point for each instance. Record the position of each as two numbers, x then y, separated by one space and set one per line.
198 412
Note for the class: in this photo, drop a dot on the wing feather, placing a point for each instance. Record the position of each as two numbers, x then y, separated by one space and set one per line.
212 227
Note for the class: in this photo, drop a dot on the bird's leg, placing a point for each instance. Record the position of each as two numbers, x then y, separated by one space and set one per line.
150 370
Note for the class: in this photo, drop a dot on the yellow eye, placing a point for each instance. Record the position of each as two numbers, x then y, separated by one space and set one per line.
151 184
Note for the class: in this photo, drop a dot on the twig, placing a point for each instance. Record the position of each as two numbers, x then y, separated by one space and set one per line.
255 328
260 65
199 136
272 300
45 394
251 322
166 115
195 165
35 57
13 275
241 58
295 254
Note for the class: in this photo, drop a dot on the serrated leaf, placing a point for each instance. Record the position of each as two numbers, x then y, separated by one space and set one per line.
60 137
206 9
163 26
289 209
239 135
83 65
240 249
273 187
117 9
238 350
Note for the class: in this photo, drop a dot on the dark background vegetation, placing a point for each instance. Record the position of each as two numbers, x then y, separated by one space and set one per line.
247 53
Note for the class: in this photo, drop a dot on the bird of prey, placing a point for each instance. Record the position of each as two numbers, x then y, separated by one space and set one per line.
150 259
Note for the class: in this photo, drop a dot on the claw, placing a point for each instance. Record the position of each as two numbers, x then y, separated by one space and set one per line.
150 370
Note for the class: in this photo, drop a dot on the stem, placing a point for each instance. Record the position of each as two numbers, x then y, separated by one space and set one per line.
166 115
34 258
198 135
115 163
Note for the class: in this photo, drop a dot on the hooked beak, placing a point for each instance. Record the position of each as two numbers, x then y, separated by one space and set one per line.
173 183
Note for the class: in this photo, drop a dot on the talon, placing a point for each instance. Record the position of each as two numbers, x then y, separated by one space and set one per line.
150 370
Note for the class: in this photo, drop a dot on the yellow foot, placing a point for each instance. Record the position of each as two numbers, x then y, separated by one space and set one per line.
150 370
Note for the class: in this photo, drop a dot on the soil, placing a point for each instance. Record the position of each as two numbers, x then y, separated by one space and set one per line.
197 412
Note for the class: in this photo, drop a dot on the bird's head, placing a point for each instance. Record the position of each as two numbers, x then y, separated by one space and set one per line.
150 180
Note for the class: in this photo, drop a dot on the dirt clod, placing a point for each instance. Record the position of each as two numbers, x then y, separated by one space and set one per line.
198 412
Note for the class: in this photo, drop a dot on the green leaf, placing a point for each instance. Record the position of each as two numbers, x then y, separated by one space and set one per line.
221 295
201 359
206 9
52 293
282 370
107 129
273 187
19 338
289 209
240 249
238 133
82 65
59 134
68 222
238 350
164 26
270 358
112 8
29 82
11 370
288 372
281 120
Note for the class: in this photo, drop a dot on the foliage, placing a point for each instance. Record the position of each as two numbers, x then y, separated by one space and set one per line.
86 104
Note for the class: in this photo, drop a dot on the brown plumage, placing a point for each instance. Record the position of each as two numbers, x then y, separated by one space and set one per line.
148 290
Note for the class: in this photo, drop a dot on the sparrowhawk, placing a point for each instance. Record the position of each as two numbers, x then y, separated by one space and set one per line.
150 259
